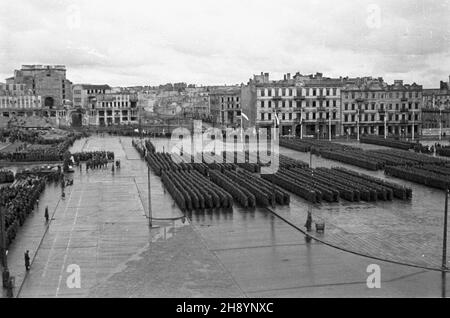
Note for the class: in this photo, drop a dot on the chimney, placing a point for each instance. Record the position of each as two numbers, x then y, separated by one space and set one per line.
288 76
284 76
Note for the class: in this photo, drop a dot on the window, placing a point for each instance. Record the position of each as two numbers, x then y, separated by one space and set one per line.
262 116
314 92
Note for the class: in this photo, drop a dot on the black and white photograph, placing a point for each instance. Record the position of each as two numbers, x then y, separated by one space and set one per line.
225 155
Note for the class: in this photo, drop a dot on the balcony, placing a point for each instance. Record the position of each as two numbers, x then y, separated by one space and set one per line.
403 99
382 111
359 100
321 109
321 97
276 98
321 120
404 110
403 121
299 98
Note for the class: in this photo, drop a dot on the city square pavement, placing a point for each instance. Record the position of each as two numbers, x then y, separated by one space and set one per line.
102 228
402 231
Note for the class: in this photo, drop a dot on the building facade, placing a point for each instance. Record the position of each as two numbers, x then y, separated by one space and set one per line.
372 106
85 95
17 100
47 81
114 109
436 110
226 106
304 105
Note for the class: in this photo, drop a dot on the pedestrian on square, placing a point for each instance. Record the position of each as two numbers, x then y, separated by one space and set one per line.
27 260
46 214
308 223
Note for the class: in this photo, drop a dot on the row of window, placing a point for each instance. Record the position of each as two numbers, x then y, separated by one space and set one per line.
112 104
231 106
290 103
228 99
300 92
20 103
372 106
381 95
116 113
307 116
373 117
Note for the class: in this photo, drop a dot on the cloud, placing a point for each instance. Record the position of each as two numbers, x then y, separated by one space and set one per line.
210 42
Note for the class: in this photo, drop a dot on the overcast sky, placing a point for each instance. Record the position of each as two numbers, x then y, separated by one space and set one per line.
145 42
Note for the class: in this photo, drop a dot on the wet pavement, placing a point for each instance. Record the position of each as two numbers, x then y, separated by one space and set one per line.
403 231
102 227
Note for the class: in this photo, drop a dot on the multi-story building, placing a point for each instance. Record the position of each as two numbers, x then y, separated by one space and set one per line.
320 102
115 109
17 100
436 110
303 104
226 106
369 105
85 95
437 98
47 81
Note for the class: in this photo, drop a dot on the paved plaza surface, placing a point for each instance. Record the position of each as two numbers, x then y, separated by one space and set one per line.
402 231
102 227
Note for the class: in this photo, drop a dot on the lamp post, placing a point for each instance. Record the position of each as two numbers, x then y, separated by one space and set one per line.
149 197
444 243
385 125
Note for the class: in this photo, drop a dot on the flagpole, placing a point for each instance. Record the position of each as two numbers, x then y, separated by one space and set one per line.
329 125
301 123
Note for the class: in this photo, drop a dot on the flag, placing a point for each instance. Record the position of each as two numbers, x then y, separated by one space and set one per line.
277 119
244 115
